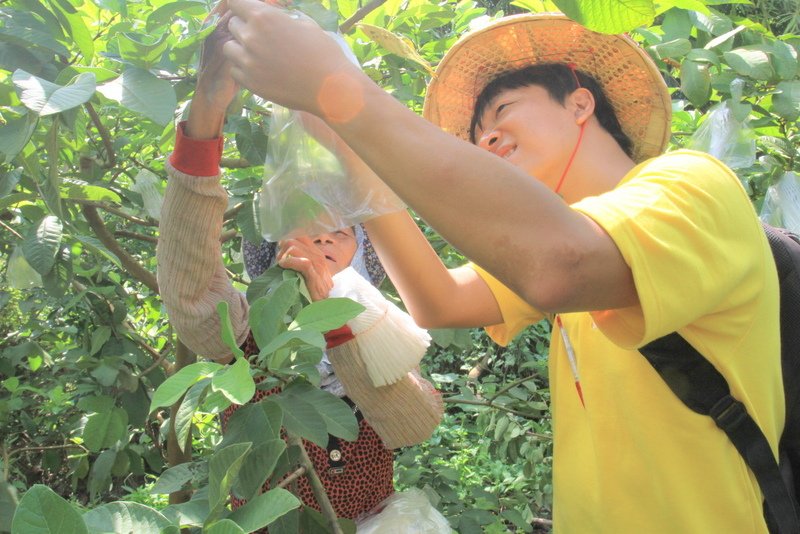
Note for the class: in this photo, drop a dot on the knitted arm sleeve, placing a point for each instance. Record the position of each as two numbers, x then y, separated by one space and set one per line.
191 276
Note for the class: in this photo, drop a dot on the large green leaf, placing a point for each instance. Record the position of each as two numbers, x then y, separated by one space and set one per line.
254 423
192 513
95 245
94 193
72 21
609 16
104 429
784 58
58 280
224 526
144 51
293 338
8 504
125 517
752 63
173 387
327 314
267 313
338 416
42 511
27 31
45 98
164 14
257 467
235 382
675 48
185 412
786 100
173 479
19 273
695 82
264 509
15 134
42 244
142 92
303 419
222 470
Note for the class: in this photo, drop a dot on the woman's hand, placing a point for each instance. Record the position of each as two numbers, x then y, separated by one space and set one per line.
301 255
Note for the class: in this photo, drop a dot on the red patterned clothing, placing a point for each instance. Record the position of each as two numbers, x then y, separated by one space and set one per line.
355 482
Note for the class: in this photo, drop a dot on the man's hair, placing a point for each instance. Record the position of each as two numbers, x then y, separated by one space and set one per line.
559 82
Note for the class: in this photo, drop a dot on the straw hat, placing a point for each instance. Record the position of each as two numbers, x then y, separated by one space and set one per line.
629 78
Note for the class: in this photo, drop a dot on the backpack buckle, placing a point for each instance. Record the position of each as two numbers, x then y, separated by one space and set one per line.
728 413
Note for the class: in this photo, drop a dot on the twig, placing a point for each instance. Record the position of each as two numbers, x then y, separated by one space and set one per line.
297 473
134 235
347 25
511 385
542 521
316 485
231 213
489 405
118 212
7 227
111 156
157 363
47 448
133 267
235 163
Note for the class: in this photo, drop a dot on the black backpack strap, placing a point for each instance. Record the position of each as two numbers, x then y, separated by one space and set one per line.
702 388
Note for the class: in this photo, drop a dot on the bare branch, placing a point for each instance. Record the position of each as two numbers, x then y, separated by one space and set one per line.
133 267
111 156
489 405
297 473
347 25
7 227
316 485
235 163
231 213
118 212
134 235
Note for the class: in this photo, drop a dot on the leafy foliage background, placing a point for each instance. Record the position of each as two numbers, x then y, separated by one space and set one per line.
90 90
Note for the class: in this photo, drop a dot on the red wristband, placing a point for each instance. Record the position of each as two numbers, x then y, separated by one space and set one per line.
196 157
340 336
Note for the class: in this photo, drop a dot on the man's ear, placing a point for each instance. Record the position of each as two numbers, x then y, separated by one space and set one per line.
583 103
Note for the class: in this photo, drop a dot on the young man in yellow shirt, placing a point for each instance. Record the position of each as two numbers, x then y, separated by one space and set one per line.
619 244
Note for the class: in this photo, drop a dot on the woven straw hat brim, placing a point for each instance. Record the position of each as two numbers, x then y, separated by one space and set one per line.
630 79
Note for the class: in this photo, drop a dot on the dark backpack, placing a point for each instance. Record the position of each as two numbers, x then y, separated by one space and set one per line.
703 389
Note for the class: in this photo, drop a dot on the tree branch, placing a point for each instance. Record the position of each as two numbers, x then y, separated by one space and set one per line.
297 473
316 485
111 156
231 213
489 405
347 25
7 227
235 163
116 211
134 235
133 267
511 385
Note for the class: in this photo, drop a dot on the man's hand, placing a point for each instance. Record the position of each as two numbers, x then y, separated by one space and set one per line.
301 255
285 57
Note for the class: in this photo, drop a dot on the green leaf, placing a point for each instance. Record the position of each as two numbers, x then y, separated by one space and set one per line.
672 49
122 516
58 280
258 467
100 475
173 387
227 329
254 423
75 27
192 513
786 100
395 44
19 273
224 526
724 38
8 504
15 134
267 313
337 414
99 338
164 14
752 63
104 429
784 58
42 511
695 82
144 51
142 92
301 418
45 98
609 16
235 382
95 245
185 412
293 338
94 193
27 31
222 470
42 244
327 314
264 509
173 479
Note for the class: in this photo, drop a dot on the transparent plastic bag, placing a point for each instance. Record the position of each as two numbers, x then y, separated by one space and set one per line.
725 138
781 205
405 512
313 182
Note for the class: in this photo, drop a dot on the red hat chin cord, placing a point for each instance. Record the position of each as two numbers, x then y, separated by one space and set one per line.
572 68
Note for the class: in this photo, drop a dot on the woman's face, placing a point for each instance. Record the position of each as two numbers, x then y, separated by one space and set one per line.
339 247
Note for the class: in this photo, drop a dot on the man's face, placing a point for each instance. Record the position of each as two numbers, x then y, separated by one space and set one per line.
339 247
529 129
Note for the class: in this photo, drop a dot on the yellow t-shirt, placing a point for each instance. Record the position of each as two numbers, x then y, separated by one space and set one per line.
635 459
